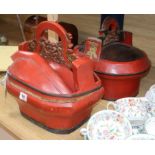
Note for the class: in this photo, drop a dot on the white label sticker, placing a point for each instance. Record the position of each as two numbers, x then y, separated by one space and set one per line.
23 96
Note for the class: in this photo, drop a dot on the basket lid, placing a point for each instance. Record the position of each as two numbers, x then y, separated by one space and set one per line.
122 59
121 53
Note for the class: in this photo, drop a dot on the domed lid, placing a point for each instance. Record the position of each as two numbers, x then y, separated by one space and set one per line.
121 53
122 59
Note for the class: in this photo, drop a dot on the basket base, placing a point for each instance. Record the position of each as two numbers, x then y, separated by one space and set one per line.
56 131
114 99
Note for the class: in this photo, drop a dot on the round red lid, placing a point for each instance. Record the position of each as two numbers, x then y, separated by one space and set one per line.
122 59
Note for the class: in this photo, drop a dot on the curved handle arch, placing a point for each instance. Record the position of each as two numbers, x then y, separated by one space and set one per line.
59 30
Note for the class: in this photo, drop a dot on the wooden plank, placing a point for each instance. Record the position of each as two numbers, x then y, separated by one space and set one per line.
4 135
5 56
11 119
51 35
